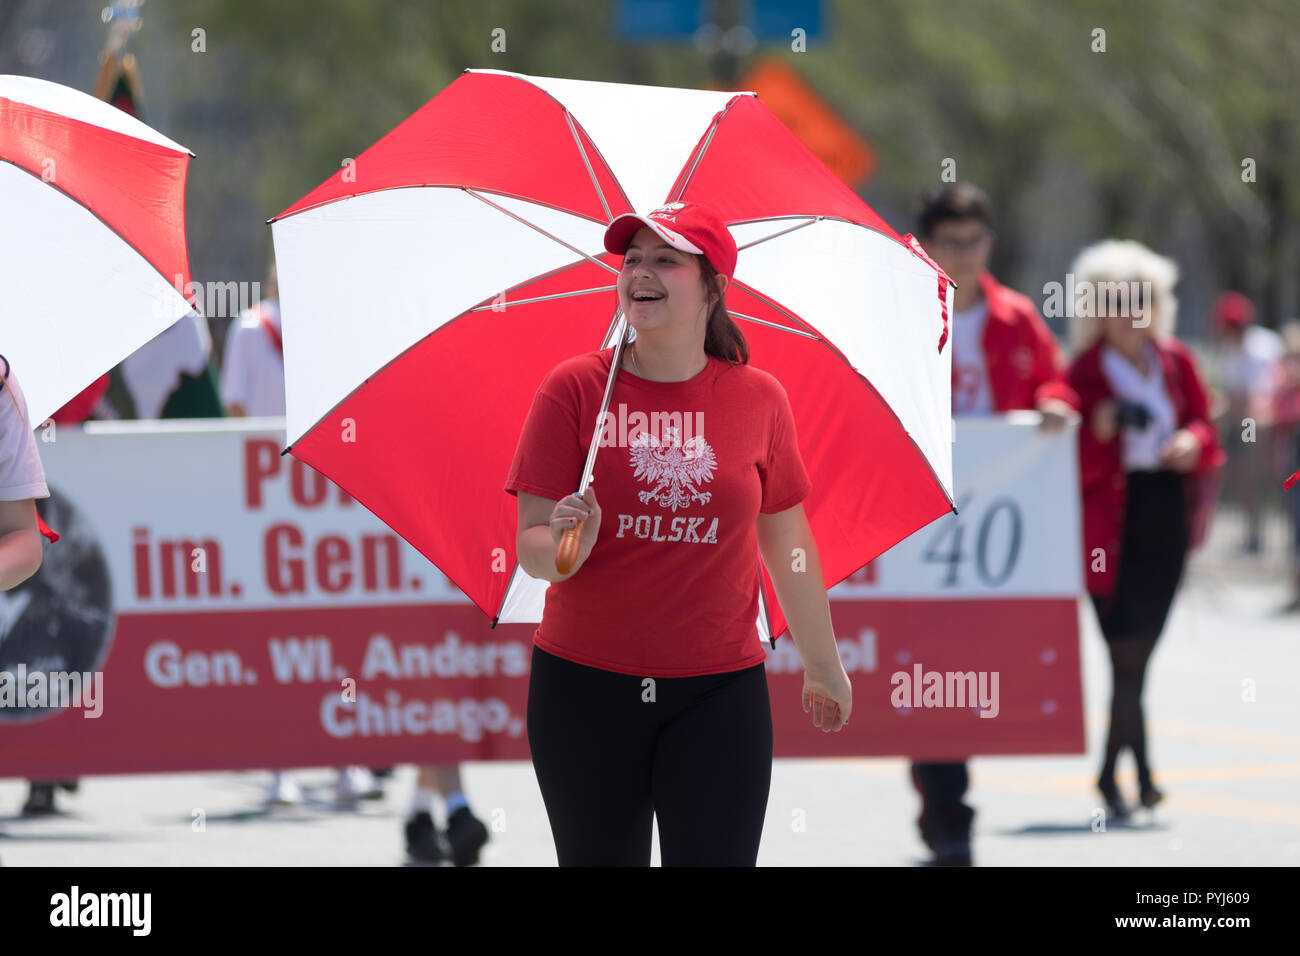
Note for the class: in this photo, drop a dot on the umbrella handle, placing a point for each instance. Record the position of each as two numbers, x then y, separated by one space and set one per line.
566 556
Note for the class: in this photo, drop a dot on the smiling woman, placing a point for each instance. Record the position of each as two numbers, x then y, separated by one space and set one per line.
660 285
662 288
647 696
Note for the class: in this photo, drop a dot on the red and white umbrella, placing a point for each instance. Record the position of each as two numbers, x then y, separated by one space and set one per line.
93 261
427 288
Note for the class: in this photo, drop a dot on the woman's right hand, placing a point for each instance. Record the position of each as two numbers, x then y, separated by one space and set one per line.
568 512
1105 421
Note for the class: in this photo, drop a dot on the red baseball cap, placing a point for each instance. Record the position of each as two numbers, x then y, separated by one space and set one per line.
1233 308
688 226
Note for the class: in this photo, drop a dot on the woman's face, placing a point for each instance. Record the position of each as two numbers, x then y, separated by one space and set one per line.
668 277
1130 321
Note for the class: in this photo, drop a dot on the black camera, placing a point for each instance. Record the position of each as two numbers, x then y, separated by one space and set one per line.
1132 415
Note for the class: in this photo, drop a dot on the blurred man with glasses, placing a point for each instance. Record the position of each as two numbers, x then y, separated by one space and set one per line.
1004 358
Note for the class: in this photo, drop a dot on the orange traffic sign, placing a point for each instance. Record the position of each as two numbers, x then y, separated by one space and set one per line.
810 118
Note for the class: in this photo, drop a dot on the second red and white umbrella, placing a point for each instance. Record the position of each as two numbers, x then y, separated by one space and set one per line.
93 260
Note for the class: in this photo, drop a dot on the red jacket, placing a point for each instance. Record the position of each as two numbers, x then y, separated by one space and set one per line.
1021 356
78 408
1101 470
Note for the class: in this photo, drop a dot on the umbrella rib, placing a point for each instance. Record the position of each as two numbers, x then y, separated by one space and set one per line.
774 325
813 219
695 163
772 305
537 228
775 235
542 298
568 118
538 278
708 141
613 325
383 189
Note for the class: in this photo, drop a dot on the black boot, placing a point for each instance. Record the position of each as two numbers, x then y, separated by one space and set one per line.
1116 808
467 834
423 842
40 800
1148 794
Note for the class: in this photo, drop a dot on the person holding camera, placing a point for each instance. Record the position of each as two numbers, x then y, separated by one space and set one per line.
1147 450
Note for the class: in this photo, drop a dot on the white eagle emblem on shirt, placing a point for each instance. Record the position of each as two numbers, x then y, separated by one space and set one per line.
673 468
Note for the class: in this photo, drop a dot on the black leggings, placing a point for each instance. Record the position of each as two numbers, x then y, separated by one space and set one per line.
1128 659
1151 561
698 757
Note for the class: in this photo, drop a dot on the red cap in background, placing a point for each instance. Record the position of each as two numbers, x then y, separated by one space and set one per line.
1232 309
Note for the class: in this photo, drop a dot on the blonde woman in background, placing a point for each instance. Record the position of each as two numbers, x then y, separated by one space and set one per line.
1145 442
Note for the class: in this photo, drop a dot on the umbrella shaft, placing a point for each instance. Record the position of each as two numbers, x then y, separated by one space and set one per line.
614 366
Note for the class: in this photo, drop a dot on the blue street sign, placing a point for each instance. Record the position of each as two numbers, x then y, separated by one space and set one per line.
659 19
773 20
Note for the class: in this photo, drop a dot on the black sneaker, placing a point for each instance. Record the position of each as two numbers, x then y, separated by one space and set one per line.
40 801
947 832
952 854
467 835
423 843
1116 809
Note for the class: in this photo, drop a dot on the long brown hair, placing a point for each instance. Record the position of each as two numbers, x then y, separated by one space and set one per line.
722 338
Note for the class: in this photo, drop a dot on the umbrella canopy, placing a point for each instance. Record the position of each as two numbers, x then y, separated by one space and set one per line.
93 262
427 288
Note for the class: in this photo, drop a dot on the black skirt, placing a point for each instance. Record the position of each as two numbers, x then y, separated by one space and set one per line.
1153 553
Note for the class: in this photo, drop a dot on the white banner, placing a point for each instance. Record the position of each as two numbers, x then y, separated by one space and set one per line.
210 516
1017 530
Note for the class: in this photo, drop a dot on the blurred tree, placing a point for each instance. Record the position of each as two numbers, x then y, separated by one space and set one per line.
1158 123
1145 138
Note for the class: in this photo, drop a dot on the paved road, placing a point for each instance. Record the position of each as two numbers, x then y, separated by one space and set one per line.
1230 765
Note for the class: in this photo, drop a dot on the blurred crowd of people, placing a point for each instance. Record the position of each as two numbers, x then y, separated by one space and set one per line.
1257 373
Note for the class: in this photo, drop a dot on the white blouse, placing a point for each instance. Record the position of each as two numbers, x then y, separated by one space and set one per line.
1141 450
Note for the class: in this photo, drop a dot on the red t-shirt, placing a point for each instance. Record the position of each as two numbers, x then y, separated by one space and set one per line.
671 587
